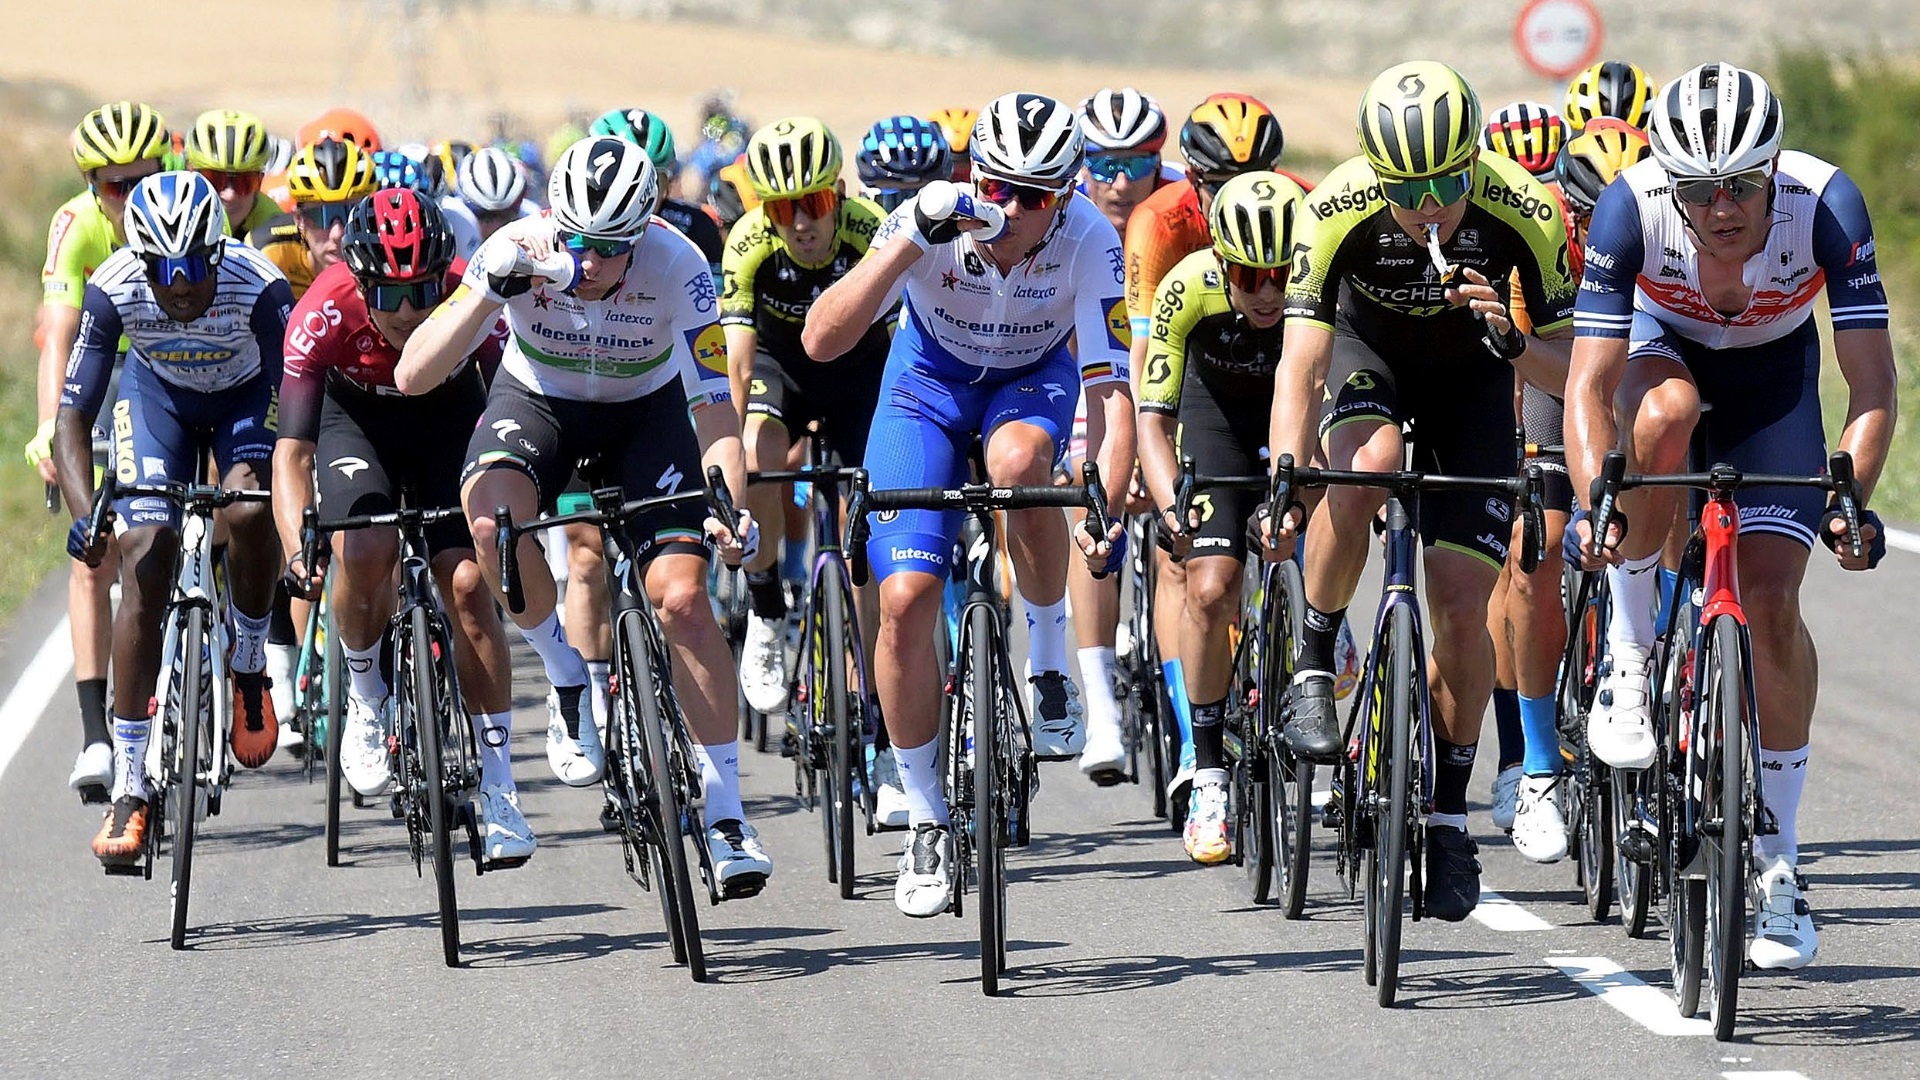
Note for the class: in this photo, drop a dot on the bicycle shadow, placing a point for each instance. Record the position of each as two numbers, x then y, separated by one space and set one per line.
1481 988
1120 974
299 930
758 963
1825 1025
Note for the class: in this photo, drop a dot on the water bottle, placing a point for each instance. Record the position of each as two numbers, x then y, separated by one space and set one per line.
562 267
945 199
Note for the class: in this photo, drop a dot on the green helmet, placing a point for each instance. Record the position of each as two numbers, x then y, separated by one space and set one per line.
644 129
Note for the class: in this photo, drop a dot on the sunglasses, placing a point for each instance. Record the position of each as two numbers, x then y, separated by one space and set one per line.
195 268
118 189
242 183
1107 168
818 205
1209 184
1443 190
324 215
601 246
1003 192
1250 279
1739 187
387 296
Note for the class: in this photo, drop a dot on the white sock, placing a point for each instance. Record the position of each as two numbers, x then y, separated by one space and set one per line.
597 675
1630 625
363 669
1783 775
1451 821
1096 679
720 779
249 640
920 781
563 662
494 732
130 756
1046 636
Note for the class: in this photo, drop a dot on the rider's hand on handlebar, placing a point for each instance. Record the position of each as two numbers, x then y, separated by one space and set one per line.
1576 544
1873 539
303 581
739 544
83 545
1277 546
1104 556
1176 537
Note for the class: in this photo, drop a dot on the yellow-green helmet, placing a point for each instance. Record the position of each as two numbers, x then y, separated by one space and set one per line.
1252 219
792 157
1419 119
228 141
119 134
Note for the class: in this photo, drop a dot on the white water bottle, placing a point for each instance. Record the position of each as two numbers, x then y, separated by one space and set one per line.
562 267
944 199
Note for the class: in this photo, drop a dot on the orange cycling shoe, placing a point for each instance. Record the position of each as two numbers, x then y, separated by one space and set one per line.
123 833
255 731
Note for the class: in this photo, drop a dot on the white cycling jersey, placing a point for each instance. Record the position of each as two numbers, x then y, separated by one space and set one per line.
660 325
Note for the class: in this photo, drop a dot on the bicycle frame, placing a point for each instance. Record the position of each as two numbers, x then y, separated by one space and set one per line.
196 584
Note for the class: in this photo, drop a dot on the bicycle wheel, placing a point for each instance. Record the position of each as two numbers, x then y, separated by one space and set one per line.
846 741
676 881
1289 782
1633 848
1595 833
430 732
1686 900
1730 787
989 796
196 714
334 680
1388 880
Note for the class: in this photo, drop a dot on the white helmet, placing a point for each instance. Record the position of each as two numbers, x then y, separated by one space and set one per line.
1123 119
172 215
491 181
1714 121
1028 137
603 187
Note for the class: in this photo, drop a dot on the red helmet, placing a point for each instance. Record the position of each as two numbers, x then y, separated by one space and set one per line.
395 235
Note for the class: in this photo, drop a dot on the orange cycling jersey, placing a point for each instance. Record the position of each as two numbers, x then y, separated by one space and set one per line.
1165 228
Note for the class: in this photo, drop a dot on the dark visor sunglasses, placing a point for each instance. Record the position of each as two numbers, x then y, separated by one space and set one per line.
1003 192
601 246
1443 190
1739 187
387 296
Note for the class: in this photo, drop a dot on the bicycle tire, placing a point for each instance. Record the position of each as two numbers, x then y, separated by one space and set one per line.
846 741
989 810
1686 900
1253 777
1728 860
1633 880
1595 857
334 679
191 725
1390 835
429 733
1290 782
676 878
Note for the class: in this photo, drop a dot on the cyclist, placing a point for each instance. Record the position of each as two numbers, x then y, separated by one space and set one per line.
900 155
231 150
493 191
730 195
1206 392
1125 130
723 136
1672 314
1375 328
339 410
956 123
325 180
1527 132
652 134
342 125
983 348
1609 88
801 239
182 291
114 147
413 169
625 363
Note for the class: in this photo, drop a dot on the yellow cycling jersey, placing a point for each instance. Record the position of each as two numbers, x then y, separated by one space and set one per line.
79 239
279 240
1194 326
765 287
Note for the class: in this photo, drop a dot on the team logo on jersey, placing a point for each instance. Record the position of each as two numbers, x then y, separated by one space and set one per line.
1119 327
709 347
700 290
541 300
1119 261
948 279
972 264
349 465
62 221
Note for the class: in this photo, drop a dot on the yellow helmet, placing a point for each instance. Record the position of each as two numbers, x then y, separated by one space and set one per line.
1252 219
1419 119
957 124
228 141
792 157
331 171
1610 88
119 134
1594 157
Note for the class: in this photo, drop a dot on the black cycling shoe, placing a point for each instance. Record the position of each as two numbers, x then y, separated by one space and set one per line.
1453 874
1313 728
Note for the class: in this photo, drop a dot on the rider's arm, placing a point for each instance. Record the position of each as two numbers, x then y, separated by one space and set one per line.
82 394
455 329
269 321
1602 325
1313 291
63 281
1161 383
1102 339
1844 248
302 388
840 317
739 271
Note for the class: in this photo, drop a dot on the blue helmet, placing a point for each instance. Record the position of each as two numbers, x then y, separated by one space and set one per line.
392 169
903 151
175 222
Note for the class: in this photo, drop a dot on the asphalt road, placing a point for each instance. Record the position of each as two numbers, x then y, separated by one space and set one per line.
1129 960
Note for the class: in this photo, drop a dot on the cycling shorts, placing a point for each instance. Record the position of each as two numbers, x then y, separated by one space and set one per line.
1543 419
162 432
1223 427
1459 407
931 407
646 446
1764 418
842 395
372 446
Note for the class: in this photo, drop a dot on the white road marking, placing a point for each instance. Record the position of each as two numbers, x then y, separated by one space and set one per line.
1650 1008
29 697
1905 541
1497 912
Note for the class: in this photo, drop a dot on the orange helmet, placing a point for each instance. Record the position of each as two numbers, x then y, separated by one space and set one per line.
346 125
1231 134
957 124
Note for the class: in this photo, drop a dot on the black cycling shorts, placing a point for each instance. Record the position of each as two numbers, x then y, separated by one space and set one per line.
646 446
1223 427
1460 411
1543 418
371 447
843 395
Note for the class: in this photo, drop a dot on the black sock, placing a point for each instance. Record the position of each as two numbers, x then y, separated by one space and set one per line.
1316 644
93 711
280 629
1209 721
764 594
1506 723
1451 773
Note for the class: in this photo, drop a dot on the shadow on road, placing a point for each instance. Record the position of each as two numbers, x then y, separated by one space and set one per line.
1116 974
320 929
757 963
1836 1025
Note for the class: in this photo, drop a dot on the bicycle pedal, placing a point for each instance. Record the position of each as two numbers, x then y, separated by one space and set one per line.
393 804
488 866
93 794
743 886
131 869
1109 777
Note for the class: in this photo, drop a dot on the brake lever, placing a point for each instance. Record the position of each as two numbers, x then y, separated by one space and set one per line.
509 566
1098 523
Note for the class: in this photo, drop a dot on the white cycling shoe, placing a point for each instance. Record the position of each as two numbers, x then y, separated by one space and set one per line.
763 665
1506 797
1620 725
578 762
1104 761
889 798
1539 823
363 745
1059 725
1783 934
925 885
505 835
739 862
